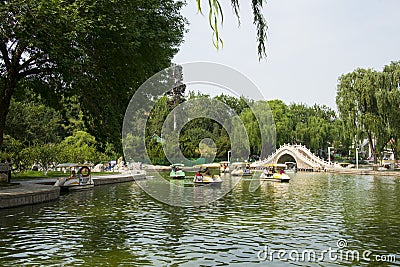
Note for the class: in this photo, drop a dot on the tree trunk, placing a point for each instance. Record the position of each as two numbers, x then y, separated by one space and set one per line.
5 99
374 153
394 150
3 116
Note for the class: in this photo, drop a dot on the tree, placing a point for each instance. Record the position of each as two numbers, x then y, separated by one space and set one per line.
44 155
33 123
389 103
140 42
215 11
368 102
283 121
177 93
29 44
237 104
98 50
79 147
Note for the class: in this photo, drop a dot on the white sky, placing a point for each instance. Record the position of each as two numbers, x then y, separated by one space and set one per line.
310 44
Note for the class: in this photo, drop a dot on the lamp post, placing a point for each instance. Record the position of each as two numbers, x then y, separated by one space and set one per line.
356 157
229 152
329 154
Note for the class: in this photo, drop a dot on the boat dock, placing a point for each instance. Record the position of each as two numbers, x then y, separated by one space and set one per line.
118 178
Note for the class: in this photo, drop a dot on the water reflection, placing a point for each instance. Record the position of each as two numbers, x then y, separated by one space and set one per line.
121 225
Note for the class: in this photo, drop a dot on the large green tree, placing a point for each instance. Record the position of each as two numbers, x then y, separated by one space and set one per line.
98 50
33 123
369 102
389 103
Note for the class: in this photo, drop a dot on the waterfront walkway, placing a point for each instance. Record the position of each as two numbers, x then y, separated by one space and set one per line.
28 192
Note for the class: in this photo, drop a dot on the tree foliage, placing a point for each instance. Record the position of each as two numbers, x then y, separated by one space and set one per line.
33 123
99 51
368 102
314 126
216 17
80 147
44 156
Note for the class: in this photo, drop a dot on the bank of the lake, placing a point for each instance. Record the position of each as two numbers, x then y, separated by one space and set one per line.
120 225
34 191
365 172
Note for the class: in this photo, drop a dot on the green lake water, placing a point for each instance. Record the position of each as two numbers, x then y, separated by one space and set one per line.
120 225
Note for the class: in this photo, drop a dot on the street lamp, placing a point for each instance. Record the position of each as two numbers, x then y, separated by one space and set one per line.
329 154
356 157
229 152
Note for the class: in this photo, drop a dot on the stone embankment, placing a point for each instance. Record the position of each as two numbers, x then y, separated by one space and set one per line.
28 192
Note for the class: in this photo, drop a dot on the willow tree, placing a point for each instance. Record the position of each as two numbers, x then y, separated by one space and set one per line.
389 103
216 18
369 102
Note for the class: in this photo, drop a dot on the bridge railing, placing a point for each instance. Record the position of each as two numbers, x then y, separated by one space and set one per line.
313 156
302 152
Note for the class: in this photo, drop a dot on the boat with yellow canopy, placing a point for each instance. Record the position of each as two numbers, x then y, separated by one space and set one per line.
275 172
204 175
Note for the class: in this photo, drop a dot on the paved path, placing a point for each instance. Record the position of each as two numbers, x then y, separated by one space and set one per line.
26 194
34 191
364 172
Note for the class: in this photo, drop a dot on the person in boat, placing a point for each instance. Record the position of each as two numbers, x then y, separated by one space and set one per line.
198 176
174 168
73 174
270 171
247 169
206 171
281 172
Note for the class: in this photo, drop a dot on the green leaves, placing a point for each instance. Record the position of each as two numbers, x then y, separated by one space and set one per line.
368 102
44 155
98 51
33 123
317 126
215 18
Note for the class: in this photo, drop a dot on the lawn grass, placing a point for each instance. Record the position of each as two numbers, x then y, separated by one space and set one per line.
51 174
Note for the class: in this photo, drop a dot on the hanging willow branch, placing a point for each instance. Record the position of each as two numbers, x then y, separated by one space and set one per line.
215 17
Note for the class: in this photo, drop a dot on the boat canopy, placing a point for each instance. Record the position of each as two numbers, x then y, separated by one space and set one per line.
275 165
178 165
254 165
210 165
240 163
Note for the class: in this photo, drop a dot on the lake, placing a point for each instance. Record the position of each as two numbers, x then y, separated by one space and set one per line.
318 219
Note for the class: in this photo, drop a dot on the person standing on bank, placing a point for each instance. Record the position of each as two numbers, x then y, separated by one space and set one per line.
9 162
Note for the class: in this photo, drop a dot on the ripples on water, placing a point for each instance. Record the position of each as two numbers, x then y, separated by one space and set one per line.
120 225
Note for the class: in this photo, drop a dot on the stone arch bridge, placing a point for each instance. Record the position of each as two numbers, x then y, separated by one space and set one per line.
304 158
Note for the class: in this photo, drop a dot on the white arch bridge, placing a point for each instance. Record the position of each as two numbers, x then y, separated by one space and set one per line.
304 158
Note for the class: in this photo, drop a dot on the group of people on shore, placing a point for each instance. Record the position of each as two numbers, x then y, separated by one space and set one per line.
9 163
